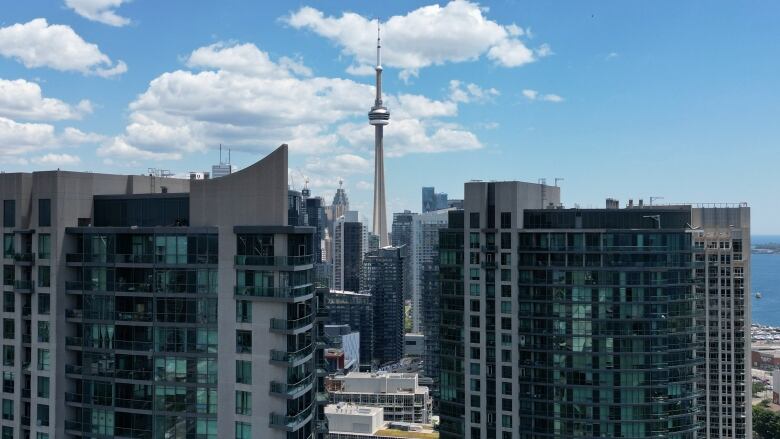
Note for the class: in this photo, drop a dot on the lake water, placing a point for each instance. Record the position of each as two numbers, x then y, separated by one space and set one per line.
765 277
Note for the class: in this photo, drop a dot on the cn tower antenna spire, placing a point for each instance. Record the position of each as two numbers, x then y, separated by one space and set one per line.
379 116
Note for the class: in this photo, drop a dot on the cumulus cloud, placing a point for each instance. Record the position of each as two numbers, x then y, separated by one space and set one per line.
533 95
460 92
235 94
21 99
39 44
20 139
53 159
102 11
430 35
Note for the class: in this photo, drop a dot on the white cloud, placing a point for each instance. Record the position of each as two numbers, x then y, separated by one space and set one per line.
533 95
99 10
237 95
52 159
39 44
19 139
21 99
460 92
611 55
341 164
430 35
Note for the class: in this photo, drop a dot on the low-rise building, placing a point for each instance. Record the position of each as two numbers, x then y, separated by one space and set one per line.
399 394
349 421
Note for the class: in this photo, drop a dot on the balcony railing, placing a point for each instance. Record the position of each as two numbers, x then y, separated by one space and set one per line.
275 292
292 390
273 261
292 358
23 285
119 258
290 423
24 257
284 325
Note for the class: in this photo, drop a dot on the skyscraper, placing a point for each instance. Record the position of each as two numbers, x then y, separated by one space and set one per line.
347 254
135 303
722 269
379 116
402 236
357 311
432 200
382 277
593 327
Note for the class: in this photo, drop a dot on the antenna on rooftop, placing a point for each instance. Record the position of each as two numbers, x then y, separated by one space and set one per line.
655 198
220 153
557 179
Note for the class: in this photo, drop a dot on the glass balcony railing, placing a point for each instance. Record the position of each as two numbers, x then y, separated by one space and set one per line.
24 257
275 292
273 260
292 358
291 325
23 285
292 390
291 423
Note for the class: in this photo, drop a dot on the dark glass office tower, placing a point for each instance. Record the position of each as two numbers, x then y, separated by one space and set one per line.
451 350
402 236
357 311
606 324
382 277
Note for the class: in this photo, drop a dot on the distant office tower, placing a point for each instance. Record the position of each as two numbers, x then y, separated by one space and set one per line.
336 210
316 219
342 353
135 306
357 311
454 204
426 307
452 388
431 200
399 394
722 261
402 236
347 254
382 277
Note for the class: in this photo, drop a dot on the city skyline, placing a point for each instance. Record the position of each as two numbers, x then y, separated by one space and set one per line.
606 86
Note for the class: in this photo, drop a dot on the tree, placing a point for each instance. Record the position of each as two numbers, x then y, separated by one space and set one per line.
766 423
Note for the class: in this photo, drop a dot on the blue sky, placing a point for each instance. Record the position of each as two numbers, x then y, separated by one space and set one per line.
621 99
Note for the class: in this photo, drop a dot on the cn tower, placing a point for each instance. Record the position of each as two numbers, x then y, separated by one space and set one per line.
379 116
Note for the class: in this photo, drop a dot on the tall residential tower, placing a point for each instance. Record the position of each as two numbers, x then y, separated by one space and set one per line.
379 116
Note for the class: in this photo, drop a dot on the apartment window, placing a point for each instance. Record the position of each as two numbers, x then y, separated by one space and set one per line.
506 240
474 290
475 402
474 336
506 275
243 430
43 415
474 273
44 246
8 245
43 331
506 323
8 275
243 372
474 368
243 342
43 359
9 329
506 220
9 300
473 240
8 382
475 353
42 435
8 432
8 355
44 301
506 258
44 212
44 276
43 387
474 220
8 409
506 421
243 311
475 306
474 321
9 213
475 385
506 388
243 403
